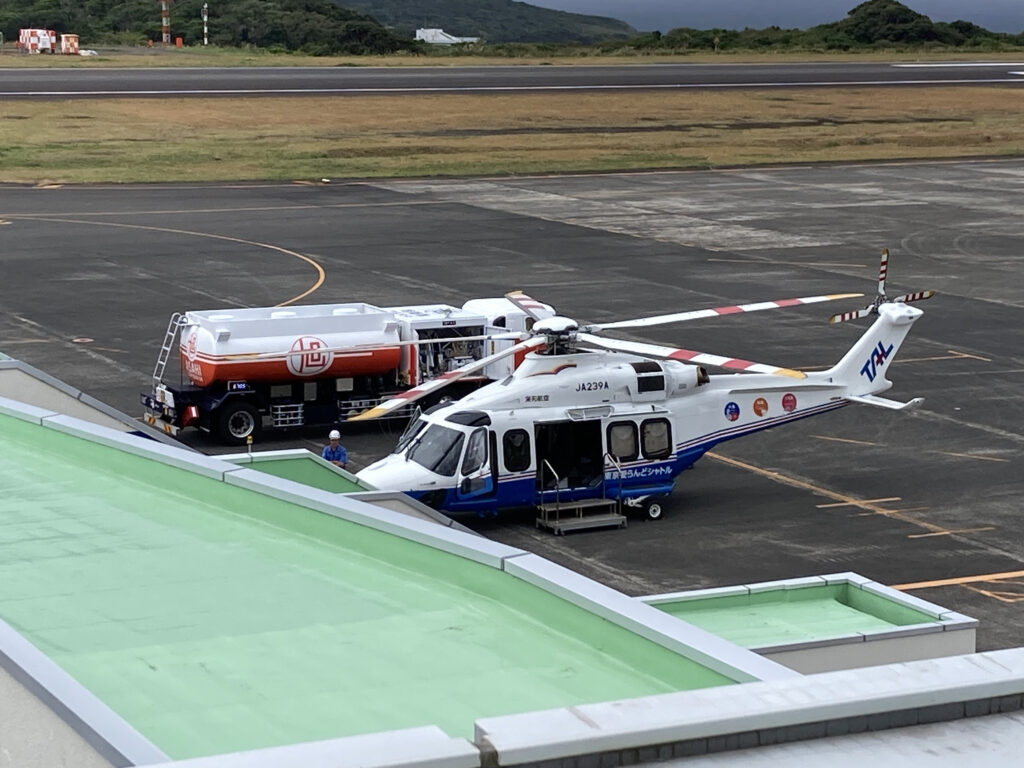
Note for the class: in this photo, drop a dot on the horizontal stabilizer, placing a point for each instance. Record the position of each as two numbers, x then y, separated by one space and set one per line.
884 402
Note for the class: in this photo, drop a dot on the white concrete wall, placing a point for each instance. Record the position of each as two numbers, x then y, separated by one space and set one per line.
670 725
18 385
425 747
33 736
875 651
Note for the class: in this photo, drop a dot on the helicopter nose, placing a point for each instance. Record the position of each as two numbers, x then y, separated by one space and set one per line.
393 474
376 475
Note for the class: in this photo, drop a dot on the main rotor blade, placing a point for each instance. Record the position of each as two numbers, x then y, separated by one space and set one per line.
526 303
678 317
688 356
412 395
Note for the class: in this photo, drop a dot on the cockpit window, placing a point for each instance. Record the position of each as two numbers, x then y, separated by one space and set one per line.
414 428
438 449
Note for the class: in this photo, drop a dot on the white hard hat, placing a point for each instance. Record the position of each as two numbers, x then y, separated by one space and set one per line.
335 435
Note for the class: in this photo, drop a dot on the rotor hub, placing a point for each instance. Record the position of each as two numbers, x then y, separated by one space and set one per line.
559 334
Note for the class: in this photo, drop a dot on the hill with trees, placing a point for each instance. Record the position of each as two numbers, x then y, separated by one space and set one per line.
494 21
507 28
318 27
874 24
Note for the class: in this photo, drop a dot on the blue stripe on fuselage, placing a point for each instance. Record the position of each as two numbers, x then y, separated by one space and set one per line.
519 489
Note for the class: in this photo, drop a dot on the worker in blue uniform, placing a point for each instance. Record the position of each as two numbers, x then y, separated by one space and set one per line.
334 451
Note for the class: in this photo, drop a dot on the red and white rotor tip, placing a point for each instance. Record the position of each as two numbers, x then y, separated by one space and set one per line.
872 309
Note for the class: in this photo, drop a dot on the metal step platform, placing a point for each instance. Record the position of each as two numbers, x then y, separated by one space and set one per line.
582 514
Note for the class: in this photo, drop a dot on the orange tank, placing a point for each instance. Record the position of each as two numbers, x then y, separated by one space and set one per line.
281 344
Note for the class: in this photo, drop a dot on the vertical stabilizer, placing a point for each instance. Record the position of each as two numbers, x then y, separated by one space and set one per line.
863 369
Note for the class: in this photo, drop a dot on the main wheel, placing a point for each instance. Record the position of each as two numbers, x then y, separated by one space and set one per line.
236 421
653 510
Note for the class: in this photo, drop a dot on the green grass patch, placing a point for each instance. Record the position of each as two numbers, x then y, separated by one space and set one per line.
227 139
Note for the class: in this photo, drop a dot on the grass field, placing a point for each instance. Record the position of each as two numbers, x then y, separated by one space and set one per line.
195 56
227 139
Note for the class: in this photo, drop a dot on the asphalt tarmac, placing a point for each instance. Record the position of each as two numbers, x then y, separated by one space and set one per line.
85 82
89 276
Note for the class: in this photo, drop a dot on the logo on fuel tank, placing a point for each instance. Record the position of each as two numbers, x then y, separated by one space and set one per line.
309 356
192 367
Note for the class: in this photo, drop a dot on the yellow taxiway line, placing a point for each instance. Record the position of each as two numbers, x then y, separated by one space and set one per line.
959 581
321 275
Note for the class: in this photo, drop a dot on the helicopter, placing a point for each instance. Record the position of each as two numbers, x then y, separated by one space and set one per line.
588 417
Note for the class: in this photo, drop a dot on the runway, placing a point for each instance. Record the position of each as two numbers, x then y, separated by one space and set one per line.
929 499
84 82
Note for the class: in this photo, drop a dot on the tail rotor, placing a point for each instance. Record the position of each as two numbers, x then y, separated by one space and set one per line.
881 298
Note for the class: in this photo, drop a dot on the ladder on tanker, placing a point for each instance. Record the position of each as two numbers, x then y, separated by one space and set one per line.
177 320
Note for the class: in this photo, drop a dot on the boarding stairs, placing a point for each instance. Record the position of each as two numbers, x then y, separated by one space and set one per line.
561 515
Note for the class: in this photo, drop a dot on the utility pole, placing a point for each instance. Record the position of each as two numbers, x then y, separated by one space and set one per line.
165 21
206 37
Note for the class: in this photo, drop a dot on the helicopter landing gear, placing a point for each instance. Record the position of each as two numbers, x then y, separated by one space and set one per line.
646 507
652 509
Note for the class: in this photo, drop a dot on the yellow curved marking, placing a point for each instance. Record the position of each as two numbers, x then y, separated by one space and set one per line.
321 275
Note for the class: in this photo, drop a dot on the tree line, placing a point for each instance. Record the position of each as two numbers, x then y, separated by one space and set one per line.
323 27
317 27
872 24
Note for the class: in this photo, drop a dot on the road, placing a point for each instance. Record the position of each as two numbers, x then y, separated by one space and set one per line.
931 498
45 83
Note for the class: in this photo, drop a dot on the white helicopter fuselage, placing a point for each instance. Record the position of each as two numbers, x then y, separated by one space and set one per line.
599 423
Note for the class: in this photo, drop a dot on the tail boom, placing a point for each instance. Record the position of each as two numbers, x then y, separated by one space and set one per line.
862 370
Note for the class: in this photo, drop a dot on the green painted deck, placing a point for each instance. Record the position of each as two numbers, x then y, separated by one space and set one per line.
308 471
216 619
783 616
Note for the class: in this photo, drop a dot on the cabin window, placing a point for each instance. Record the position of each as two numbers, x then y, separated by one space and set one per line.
476 452
438 449
656 437
516 447
622 441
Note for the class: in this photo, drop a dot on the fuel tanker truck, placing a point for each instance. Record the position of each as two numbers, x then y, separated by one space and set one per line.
243 371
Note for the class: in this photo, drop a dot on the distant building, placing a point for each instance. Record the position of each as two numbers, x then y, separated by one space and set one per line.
440 37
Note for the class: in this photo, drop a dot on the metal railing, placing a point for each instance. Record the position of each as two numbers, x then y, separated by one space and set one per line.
558 482
618 476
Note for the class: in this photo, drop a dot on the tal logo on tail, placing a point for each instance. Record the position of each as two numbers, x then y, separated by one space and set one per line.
876 360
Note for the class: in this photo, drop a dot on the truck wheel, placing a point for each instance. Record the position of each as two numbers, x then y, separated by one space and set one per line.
653 510
236 421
